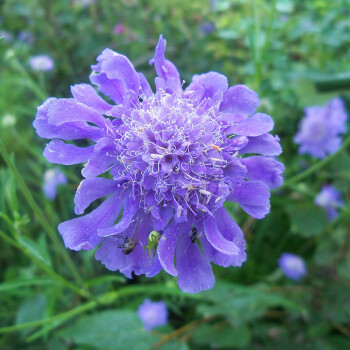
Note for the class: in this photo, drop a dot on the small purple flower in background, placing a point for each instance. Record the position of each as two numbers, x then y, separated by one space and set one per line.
292 265
6 36
330 199
26 37
319 132
41 63
207 28
119 29
153 314
52 179
174 157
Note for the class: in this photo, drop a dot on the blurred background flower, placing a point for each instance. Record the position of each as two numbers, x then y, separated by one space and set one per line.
330 199
52 179
153 314
41 63
293 266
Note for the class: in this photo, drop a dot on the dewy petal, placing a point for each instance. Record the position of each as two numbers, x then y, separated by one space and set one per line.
86 94
67 110
81 233
67 131
194 270
264 169
97 165
253 197
118 67
256 125
209 83
62 153
130 209
166 248
216 239
91 189
267 145
239 99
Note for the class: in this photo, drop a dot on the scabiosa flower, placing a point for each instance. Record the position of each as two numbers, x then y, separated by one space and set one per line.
330 199
153 314
52 179
174 157
292 265
207 28
320 129
41 63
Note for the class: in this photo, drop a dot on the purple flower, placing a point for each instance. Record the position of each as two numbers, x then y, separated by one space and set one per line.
26 37
207 28
153 314
6 36
330 199
41 63
119 29
174 157
320 129
292 265
53 178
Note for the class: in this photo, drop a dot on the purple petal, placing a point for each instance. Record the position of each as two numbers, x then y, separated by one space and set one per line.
97 165
216 239
145 87
81 233
239 99
194 270
166 248
118 67
111 256
67 110
264 169
62 153
266 145
256 125
253 197
87 95
68 131
111 88
130 209
209 83
91 189
164 68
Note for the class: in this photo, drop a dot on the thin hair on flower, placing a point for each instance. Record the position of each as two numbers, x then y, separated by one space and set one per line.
173 156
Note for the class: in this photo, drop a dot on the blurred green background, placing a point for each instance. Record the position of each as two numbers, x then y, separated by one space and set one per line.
294 54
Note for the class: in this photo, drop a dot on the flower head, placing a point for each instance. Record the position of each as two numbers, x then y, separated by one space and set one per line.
330 199
41 63
292 265
153 314
174 157
320 129
52 179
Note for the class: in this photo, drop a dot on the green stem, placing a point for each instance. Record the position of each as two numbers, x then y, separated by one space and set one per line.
103 300
44 267
293 180
257 51
52 234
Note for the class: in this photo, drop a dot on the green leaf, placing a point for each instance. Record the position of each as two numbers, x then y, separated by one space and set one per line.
242 304
222 335
306 218
32 309
110 330
35 249
14 285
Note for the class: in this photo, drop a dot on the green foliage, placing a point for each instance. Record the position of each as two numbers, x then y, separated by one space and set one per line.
294 54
